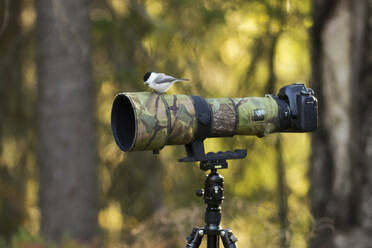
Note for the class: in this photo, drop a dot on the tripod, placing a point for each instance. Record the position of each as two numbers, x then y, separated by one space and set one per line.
212 194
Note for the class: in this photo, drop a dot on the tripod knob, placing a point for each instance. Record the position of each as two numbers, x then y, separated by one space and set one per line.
199 192
195 238
228 238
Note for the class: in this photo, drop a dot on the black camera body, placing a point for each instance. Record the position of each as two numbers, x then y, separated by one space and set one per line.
298 108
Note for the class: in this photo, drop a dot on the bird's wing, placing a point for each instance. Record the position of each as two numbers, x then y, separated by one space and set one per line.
162 79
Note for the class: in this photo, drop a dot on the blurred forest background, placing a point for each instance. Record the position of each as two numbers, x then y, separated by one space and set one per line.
63 180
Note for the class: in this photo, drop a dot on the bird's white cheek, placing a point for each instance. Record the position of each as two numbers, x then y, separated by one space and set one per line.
152 77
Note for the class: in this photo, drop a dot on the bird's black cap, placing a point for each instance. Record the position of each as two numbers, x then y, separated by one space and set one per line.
146 76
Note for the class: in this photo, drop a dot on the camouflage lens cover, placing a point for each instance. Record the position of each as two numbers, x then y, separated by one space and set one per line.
182 119
149 121
257 115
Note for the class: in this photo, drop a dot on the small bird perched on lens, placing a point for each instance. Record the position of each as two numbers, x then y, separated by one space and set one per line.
159 81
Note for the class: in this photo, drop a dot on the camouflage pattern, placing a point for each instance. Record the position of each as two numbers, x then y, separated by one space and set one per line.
151 120
224 117
171 119
183 119
257 115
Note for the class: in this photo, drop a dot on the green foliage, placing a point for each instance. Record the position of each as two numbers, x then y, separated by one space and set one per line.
23 239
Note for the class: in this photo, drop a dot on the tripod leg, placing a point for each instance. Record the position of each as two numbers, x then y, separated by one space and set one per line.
228 238
195 238
213 241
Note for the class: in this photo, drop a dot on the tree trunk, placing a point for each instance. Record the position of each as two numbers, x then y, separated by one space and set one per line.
67 145
341 55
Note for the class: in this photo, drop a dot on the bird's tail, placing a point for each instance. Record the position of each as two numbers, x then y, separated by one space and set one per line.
183 79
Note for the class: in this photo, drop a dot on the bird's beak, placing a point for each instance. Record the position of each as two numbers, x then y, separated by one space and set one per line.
146 83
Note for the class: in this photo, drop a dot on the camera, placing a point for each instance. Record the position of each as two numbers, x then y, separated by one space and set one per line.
300 108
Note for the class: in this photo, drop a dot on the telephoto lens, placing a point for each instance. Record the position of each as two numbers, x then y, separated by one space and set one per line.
150 121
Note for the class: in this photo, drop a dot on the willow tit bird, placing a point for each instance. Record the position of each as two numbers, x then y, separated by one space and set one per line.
159 81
